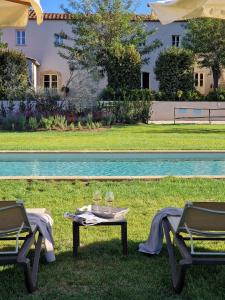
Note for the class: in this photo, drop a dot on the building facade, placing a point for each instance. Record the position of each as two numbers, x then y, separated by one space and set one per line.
49 70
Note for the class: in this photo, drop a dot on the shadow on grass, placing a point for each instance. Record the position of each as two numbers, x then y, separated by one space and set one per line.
142 129
181 129
101 271
97 262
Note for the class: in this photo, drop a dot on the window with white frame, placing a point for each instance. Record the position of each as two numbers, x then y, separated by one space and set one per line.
50 81
176 40
59 40
199 79
20 37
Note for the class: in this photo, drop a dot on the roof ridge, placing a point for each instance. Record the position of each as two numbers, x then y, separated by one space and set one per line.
67 16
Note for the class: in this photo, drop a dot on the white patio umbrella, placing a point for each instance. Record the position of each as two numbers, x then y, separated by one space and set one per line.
15 13
173 10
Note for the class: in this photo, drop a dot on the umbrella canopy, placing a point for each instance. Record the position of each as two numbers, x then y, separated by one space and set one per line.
173 10
14 13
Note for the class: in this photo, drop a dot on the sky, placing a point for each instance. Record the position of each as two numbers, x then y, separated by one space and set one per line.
54 6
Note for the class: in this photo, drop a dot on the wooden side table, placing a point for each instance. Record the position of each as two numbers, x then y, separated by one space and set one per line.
121 223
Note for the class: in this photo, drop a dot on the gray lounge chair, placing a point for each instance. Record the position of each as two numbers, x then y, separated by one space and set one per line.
202 221
15 226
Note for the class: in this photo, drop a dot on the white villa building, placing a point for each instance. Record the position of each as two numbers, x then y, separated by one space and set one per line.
49 70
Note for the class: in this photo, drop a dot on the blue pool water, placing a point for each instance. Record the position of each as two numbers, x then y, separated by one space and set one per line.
111 164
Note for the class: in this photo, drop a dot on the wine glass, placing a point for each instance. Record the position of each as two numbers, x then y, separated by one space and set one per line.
109 197
97 197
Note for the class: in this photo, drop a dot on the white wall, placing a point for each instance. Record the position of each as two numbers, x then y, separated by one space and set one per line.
40 46
164 33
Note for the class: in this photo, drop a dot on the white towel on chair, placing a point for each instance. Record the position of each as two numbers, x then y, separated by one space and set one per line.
42 218
154 243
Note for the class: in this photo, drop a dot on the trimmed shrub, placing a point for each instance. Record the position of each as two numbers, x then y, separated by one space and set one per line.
131 112
218 95
127 106
174 71
190 96
13 75
124 68
109 94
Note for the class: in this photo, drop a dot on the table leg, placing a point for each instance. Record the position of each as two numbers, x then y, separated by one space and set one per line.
76 238
124 238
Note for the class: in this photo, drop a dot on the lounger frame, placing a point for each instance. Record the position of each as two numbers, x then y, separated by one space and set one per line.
31 237
189 256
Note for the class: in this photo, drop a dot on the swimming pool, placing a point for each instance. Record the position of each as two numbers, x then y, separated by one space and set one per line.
113 164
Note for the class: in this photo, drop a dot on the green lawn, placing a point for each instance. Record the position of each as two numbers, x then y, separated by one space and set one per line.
137 137
101 272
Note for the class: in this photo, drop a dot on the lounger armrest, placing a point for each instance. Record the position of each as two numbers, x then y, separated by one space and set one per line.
26 246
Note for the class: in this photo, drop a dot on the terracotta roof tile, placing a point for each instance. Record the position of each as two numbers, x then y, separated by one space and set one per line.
50 16
64 16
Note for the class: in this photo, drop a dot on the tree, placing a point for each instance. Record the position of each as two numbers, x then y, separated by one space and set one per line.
174 71
13 75
206 38
108 38
123 68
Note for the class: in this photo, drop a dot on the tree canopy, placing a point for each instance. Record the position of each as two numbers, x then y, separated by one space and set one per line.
206 38
108 37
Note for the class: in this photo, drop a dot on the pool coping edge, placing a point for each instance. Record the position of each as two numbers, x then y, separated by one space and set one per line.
110 151
105 178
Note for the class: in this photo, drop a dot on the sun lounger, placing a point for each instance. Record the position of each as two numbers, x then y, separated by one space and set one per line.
15 226
204 221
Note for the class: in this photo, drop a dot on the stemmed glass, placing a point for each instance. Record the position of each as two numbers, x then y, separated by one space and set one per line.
109 197
97 197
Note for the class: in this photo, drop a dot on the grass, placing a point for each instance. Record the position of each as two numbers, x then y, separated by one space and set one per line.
101 272
137 137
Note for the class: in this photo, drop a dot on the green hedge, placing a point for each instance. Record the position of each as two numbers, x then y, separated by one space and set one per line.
218 95
110 94
13 75
128 106
174 71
